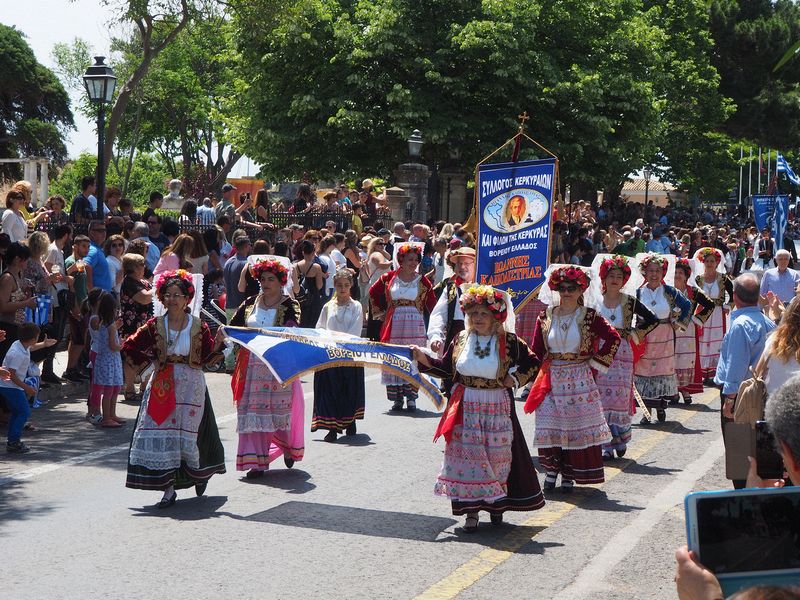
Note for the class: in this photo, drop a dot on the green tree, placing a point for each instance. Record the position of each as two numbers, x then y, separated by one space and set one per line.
750 36
34 107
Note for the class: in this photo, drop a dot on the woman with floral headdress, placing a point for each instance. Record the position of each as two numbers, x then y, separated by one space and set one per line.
339 391
716 286
486 465
633 321
654 373
570 424
687 341
405 297
269 415
175 443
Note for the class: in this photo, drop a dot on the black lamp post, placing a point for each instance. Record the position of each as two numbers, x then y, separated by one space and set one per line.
647 173
415 143
100 83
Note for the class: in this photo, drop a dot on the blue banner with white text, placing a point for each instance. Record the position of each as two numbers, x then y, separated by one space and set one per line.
771 211
291 351
514 215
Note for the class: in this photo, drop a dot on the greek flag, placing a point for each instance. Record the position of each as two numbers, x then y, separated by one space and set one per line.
291 351
783 167
780 220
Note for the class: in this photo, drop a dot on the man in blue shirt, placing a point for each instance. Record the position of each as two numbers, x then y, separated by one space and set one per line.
231 273
781 280
142 232
742 346
101 275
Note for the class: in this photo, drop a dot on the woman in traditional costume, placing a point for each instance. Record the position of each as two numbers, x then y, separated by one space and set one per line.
269 415
717 286
654 373
175 443
487 465
406 297
616 384
687 341
339 391
570 423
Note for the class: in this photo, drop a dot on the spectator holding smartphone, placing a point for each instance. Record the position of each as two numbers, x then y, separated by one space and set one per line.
693 580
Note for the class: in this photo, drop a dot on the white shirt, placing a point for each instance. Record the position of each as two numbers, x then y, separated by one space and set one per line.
114 267
261 317
656 301
560 342
612 315
437 324
182 342
711 289
471 365
338 258
779 372
14 226
56 257
400 290
18 359
328 260
345 319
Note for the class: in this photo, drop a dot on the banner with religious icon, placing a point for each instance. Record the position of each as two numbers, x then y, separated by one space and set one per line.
770 210
289 352
514 209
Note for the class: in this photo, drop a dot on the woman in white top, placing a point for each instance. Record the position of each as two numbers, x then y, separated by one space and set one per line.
14 224
269 415
326 245
378 262
114 248
339 391
782 350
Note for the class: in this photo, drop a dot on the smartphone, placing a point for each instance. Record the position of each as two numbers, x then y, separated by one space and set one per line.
770 463
746 537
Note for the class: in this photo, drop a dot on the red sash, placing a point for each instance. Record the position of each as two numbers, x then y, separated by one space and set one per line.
638 350
541 387
161 403
452 416
240 375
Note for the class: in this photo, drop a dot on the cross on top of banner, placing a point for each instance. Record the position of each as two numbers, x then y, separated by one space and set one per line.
522 118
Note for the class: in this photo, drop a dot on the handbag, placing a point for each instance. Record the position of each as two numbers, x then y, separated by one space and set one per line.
752 395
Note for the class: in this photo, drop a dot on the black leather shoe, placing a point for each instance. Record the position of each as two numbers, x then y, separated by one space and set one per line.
167 502
497 519
254 474
661 415
330 436
289 462
200 488
351 429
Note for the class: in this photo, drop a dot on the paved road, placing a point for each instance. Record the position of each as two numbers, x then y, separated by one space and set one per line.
355 519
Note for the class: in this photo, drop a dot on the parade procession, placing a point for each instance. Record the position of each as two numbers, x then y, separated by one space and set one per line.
271 340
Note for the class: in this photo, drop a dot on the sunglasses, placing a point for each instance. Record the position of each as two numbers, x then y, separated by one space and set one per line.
98 230
118 245
567 288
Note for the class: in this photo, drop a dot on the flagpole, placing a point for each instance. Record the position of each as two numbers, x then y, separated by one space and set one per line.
750 174
769 166
741 171
759 169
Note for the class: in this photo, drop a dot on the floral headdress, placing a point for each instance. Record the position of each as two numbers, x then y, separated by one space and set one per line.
166 278
683 263
704 253
406 248
485 295
653 259
270 266
615 262
568 275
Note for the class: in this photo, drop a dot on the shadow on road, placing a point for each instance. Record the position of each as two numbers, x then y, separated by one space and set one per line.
359 439
16 506
187 508
359 521
589 498
295 481
417 414
646 469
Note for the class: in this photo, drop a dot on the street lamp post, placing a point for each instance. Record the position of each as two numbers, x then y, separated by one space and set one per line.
647 173
100 82
415 143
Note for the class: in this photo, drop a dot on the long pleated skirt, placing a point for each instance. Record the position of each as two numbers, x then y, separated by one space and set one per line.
185 449
616 394
711 341
654 375
338 398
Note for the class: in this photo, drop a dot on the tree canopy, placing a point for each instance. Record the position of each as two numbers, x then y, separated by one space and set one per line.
34 107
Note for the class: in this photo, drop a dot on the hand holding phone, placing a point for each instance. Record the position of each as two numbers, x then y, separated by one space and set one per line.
769 461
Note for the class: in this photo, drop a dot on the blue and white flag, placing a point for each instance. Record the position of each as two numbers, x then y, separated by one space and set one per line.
290 352
780 219
783 167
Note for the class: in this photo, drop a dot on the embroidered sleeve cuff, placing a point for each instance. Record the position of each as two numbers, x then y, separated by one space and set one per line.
697 321
596 364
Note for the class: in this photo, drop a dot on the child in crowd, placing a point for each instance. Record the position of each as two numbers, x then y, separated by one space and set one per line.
89 320
107 377
13 388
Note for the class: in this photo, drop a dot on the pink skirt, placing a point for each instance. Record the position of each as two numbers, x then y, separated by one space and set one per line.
686 361
616 394
711 341
408 328
655 372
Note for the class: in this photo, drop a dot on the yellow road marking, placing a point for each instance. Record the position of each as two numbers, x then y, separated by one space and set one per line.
488 559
